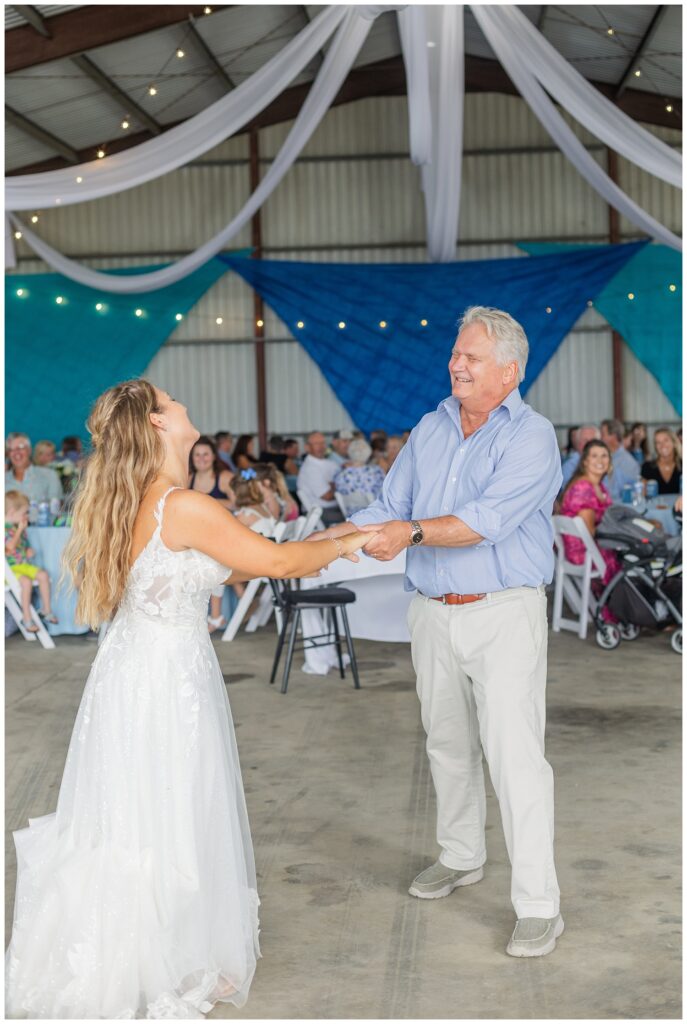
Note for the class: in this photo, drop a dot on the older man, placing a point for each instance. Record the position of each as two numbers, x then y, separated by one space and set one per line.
626 469
38 483
316 479
570 463
470 496
339 452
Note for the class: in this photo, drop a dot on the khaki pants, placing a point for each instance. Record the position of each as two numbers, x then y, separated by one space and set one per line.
481 680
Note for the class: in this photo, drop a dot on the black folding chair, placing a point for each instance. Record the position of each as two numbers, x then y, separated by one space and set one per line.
331 601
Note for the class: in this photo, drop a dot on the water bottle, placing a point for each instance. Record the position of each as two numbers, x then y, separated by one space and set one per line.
55 506
638 501
626 496
33 511
651 489
44 513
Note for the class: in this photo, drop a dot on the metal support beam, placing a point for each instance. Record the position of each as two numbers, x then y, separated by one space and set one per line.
644 44
128 105
34 18
209 56
13 117
258 305
617 342
85 28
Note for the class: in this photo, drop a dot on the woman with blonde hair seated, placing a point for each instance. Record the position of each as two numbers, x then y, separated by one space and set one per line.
666 467
137 897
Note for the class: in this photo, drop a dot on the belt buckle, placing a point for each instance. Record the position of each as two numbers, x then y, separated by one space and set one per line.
443 599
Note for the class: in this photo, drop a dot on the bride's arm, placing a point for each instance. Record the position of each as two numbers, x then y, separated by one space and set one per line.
195 520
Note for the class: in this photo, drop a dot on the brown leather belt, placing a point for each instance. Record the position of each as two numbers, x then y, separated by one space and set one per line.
458 598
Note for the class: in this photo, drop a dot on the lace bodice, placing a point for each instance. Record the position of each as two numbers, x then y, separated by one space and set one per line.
171 587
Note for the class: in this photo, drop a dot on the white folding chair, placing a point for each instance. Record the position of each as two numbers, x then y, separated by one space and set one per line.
305 501
282 530
13 605
575 581
310 524
263 613
353 502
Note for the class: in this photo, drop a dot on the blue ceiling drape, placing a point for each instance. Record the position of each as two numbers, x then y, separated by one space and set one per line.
60 356
651 321
388 363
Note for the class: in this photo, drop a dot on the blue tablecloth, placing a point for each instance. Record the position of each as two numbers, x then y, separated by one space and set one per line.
49 543
660 509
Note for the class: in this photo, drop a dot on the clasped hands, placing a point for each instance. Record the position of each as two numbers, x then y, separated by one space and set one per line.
387 540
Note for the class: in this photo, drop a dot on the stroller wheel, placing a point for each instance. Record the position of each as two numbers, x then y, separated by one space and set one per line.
629 631
676 641
608 637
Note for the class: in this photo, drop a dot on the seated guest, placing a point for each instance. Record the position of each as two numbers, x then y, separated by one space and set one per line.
243 452
224 443
393 448
315 479
72 448
578 438
292 453
44 453
361 475
666 467
625 467
274 453
378 446
38 483
339 446
20 560
571 445
250 505
636 442
208 474
587 497
275 493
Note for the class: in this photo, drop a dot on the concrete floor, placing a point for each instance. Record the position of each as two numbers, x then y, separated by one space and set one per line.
341 807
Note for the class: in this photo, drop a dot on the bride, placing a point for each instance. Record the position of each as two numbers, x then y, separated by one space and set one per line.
137 897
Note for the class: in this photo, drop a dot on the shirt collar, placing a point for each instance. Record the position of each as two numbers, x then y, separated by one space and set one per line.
511 403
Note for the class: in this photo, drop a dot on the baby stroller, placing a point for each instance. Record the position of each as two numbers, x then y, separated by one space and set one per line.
647 591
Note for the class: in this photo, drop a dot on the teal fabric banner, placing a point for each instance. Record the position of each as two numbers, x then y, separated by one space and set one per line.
65 344
643 303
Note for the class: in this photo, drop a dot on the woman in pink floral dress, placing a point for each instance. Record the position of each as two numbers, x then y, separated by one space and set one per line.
586 497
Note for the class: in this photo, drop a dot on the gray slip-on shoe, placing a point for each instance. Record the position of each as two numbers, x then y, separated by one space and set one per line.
535 936
438 880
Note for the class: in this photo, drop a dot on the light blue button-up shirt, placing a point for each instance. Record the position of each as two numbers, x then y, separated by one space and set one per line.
501 481
626 470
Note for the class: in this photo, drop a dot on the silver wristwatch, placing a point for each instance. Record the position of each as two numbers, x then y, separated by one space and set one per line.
416 534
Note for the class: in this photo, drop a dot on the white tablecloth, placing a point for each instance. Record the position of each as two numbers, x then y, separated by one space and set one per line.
379 611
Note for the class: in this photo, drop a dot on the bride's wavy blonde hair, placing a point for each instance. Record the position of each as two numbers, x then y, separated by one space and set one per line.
127 454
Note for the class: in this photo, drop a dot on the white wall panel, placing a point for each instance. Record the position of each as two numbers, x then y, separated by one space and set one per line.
299 399
576 386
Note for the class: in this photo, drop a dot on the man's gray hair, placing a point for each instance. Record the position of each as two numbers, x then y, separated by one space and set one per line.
510 340
616 428
15 437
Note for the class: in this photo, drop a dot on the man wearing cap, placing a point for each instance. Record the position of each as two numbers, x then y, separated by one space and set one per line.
340 443
470 496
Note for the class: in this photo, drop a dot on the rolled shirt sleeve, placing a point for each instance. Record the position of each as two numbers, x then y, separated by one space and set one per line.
526 478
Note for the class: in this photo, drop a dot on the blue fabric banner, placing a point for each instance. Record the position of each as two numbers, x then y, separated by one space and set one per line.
643 303
382 333
60 355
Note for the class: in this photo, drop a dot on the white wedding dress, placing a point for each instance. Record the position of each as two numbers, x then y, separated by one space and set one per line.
137 897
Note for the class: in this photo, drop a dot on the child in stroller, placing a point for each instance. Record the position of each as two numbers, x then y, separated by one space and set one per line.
647 590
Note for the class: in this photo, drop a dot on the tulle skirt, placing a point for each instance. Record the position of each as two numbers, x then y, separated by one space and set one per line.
137 897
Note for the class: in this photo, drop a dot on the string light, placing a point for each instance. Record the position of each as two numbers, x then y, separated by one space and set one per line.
100 154
125 124
34 218
638 73
669 108
79 180
138 312
590 302
17 235
672 287
207 10
58 201
260 323
382 323
609 32
21 292
300 325
548 309
152 91
179 316
423 323
219 320
341 325
59 300
430 44
630 296
180 53
99 306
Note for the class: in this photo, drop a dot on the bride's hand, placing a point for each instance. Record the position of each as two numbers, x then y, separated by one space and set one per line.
352 542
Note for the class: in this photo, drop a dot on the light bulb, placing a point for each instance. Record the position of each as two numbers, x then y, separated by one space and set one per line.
59 300
590 302
638 73
58 201
548 309
630 296
260 323
34 219
179 316
125 124
79 180
152 91
139 312
207 10
300 324
609 31
672 287
382 323
669 108
17 235
180 53
219 320
341 325
99 306
423 323
21 293
430 44
100 154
